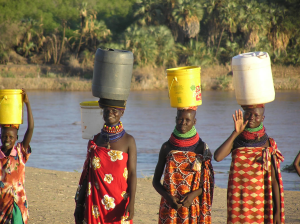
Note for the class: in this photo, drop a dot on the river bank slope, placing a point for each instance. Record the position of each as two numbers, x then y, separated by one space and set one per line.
44 77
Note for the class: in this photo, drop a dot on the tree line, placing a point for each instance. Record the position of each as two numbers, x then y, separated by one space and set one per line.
158 32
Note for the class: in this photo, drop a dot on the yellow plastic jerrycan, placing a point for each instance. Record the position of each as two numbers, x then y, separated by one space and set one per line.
11 106
184 86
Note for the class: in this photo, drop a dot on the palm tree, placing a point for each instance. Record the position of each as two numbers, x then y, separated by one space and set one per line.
181 16
200 55
28 48
188 14
279 33
166 45
254 24
83 15
212 21
142 44
229 16
95 32
149 12
31 37
64 22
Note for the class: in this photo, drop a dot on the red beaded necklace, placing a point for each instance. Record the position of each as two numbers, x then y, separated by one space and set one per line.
112 133
187 142
253 135
113 129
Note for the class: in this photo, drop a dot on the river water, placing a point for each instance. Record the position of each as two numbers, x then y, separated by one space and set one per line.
57 143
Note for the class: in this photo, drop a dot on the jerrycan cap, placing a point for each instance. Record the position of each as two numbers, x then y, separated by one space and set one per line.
256 54
114 56
250 60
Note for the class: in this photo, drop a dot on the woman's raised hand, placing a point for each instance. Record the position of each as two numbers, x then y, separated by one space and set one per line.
239 123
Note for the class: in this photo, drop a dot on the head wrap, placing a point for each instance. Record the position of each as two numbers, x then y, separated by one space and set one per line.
188 108
118 104
16 126
252 106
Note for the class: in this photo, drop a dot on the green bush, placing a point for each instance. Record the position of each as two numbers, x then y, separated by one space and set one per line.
158 32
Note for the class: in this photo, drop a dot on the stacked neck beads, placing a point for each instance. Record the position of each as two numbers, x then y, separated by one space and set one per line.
112 133
252 137
254 133
184 142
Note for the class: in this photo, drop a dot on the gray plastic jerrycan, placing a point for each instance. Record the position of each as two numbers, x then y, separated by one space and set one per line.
112 74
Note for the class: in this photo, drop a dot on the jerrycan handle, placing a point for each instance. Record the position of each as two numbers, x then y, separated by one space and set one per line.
175 78
4 98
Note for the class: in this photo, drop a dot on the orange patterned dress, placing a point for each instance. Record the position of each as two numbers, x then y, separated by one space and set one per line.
106 196
187 171
249 192
12 180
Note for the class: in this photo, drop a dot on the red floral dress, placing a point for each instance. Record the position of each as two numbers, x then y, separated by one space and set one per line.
12 180
106 196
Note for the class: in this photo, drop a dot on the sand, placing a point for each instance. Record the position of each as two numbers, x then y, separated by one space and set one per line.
51 199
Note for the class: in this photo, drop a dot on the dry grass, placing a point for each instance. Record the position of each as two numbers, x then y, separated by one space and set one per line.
67 83
280 71
73 62
215 71
149 78
74 77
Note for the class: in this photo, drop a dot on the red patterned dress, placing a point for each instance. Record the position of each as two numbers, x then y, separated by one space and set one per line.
187 171
249 192
107 197
12 180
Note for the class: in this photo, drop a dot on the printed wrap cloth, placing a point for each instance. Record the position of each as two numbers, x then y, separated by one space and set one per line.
185 172
249 192
106 196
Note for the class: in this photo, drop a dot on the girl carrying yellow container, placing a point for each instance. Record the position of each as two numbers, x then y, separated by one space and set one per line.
13 200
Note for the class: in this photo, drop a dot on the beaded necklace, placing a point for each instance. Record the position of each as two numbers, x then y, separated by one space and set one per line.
255 129
188 143
112 133
189 134
252 137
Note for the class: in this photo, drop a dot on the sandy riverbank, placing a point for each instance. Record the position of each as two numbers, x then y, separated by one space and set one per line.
51 199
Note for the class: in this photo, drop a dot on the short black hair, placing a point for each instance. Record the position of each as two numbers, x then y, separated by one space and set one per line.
189 110
4 128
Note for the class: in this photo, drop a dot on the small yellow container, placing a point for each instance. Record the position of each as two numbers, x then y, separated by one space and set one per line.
90 104
11 106
184 86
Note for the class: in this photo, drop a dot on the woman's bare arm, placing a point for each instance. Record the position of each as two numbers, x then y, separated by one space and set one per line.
159 169
132 160
30 121
297 163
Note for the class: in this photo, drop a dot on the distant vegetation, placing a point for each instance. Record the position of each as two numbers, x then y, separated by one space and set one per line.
159 32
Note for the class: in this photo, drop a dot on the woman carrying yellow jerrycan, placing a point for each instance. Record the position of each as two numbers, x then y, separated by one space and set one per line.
13 201
184 160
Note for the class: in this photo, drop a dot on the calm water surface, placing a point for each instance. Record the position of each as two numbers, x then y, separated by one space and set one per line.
57 143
